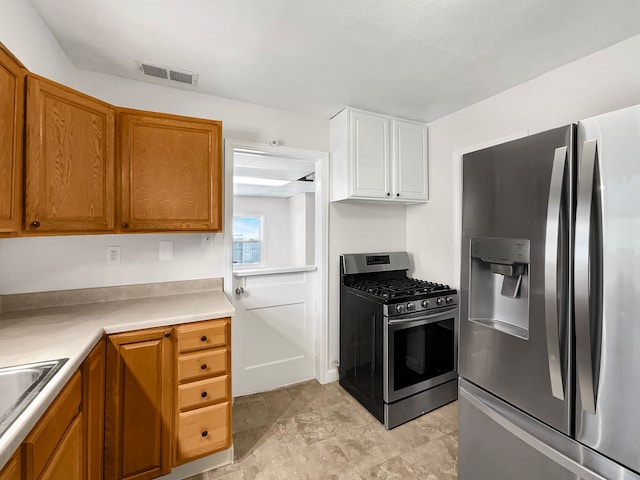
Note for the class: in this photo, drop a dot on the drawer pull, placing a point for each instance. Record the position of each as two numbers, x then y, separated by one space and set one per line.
205 433
203 338
203 366
203 394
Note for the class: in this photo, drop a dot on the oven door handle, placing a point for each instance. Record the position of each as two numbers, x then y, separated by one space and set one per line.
424 319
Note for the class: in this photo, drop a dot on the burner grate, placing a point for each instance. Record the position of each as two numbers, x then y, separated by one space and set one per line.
398 288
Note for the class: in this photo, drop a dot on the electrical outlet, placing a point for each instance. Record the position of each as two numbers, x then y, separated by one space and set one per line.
207 240
113 255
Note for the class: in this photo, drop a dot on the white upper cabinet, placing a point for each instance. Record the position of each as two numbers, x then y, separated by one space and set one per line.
378 158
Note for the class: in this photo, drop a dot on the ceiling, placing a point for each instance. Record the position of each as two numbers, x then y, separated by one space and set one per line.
418 59
252 173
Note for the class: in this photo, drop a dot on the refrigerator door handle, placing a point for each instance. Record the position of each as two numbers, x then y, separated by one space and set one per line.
533 441
551 251
582 278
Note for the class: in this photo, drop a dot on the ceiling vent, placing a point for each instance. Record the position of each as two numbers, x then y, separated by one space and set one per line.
168 73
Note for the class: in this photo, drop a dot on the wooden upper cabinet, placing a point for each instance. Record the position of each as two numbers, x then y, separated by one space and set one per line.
138 423
70 152
171 172
12 76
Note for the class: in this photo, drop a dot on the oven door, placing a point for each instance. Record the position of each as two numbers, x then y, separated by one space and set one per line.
420 352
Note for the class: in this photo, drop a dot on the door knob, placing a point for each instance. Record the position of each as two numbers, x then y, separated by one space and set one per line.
239 291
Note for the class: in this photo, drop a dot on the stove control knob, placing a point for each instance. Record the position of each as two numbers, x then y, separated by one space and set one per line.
399 308
449 299
426 303
410 306
440 301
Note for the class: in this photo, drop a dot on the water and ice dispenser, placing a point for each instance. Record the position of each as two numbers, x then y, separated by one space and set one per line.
499 284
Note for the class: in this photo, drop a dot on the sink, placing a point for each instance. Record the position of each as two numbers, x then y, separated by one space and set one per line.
19 385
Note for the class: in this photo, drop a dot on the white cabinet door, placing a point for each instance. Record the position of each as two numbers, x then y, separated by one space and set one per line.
370 154
410 161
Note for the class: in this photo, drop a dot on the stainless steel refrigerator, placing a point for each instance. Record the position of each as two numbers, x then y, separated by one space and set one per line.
549 354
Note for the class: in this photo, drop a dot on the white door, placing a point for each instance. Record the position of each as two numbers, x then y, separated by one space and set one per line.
370 154
410 160
275 238
273 330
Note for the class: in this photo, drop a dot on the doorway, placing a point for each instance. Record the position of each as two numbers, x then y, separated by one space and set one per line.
276 244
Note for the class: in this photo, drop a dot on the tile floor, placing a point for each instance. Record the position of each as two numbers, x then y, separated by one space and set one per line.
313 431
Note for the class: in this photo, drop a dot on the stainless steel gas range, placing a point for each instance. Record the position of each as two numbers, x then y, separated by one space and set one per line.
398 338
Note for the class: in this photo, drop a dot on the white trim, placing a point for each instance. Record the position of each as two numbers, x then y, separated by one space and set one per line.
457 194
332 375
321 160
273 271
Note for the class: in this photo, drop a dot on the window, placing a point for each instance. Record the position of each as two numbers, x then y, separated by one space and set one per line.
247 241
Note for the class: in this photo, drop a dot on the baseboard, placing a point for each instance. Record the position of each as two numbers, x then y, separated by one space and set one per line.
331 375
201 465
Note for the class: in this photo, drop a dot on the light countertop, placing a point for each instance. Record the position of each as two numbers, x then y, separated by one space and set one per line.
71 331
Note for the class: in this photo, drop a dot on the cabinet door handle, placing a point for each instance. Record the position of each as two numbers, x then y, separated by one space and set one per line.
388 194
35 224
397 194
203 338
167 334
125 225
205 433
203 366
203 394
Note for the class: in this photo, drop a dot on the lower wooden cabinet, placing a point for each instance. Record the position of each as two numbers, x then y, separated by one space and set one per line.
13 469
66 462
203 431
139 405
203 389
93 391
138 426
55 443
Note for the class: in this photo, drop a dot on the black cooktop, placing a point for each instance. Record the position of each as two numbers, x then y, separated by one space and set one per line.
400 288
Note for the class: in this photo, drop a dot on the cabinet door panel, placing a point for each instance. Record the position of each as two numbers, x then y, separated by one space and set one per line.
138 405
11 132
93 378
67 461
69 160
410 152
370 153
171 173
12 470
41 442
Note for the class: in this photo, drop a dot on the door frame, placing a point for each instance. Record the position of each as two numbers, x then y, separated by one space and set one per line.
323 370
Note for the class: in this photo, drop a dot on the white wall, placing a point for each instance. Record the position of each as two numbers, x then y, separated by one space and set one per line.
604 81
79 261
359 228
275 212
24 33
302 228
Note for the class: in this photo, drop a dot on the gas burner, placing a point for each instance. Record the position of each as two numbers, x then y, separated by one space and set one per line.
399 288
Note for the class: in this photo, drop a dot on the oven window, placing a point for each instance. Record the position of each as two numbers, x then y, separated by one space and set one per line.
422 353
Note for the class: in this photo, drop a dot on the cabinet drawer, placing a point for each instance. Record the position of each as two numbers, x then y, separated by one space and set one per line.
43 439
202 335
195 366
204 431
203 392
